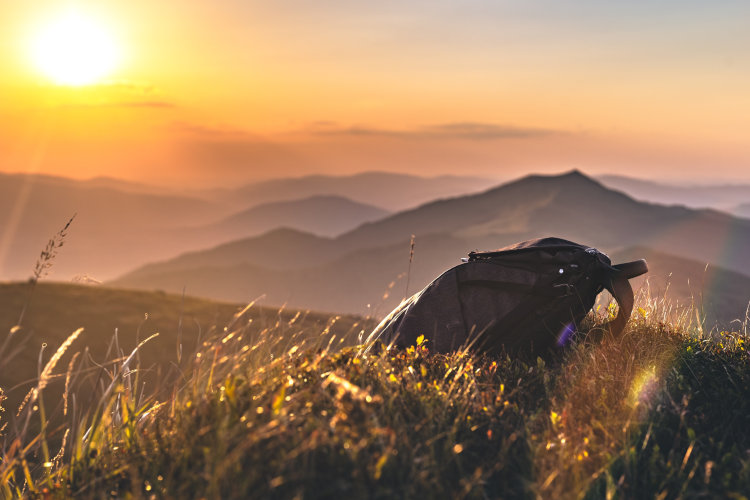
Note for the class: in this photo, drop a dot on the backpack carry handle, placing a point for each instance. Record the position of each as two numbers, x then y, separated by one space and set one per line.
630 270
622 292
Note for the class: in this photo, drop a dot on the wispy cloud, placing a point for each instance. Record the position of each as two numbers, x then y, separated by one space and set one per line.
131 86
146 104
124 104
118 94
482 131
475 131
213 132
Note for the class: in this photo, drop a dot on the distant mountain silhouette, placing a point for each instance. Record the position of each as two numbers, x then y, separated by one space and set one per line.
285 248
113 229
355 269
321 215
390 191
742 210
132 187
373 281
122 224
721 197
574 206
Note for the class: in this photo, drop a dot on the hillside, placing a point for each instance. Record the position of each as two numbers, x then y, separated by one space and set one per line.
56 310
355 269
742 210
114 229
390 191
120 225
280 248
378 276
320 215
336 281
576 207
721 197
659 413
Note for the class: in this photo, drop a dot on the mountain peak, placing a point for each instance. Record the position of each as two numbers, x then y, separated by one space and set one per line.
571 175
574 173
573 181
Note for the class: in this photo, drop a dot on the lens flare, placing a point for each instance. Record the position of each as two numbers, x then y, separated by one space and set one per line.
644 386
565 334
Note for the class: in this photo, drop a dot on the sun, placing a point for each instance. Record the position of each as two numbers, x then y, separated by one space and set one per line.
75 50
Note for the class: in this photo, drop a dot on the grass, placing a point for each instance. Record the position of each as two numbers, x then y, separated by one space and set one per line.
300 411
57 309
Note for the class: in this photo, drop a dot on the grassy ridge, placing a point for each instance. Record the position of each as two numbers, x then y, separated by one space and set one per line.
660 413
55 310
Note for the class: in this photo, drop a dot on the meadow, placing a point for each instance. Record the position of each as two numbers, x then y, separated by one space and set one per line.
242 182
302 410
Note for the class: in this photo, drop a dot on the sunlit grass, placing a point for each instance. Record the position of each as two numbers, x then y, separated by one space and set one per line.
283 412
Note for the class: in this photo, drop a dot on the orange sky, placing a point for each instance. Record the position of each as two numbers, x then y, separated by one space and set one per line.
231 91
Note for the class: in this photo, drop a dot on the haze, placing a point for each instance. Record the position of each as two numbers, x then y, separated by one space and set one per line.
220 93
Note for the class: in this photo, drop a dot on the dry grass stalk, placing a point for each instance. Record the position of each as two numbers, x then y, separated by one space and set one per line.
47 372
45 261
67 382
411 259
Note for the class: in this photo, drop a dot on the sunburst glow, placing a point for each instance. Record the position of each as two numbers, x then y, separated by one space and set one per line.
74 49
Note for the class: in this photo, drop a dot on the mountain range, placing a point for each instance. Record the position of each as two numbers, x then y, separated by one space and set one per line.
742 210
732 198
325 215
390 191
367 269
120 225
114 229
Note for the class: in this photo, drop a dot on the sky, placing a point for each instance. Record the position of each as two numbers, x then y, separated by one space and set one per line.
232 91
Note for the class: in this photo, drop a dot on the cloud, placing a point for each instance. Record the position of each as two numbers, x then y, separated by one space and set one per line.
483 131
123 104
116 94
146 104
213 132
130 86
475 131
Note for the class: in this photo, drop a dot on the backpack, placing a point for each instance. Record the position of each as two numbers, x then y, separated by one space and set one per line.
526 298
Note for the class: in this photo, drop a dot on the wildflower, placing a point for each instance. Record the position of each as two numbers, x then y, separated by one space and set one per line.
555 418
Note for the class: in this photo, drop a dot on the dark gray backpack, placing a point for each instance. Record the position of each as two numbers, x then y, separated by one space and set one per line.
526 298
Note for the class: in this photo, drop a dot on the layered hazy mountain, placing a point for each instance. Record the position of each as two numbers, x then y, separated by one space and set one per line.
366 269
732 198
742 210
117 225
325 215
390 191
121 225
